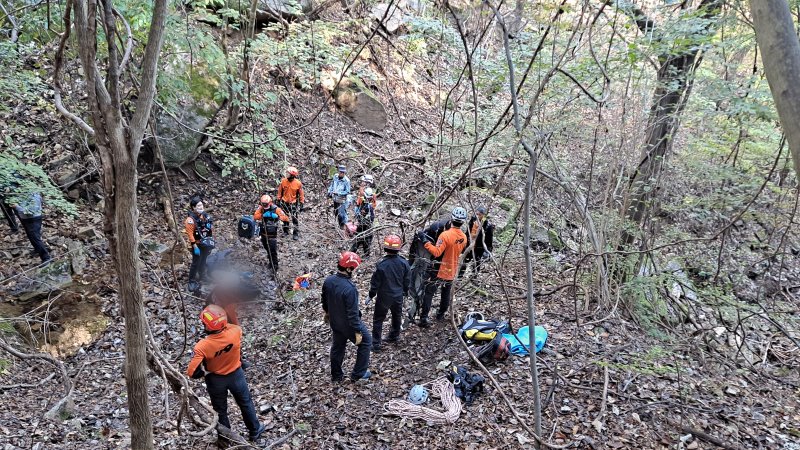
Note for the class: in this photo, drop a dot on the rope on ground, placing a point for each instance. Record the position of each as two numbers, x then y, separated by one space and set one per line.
441 388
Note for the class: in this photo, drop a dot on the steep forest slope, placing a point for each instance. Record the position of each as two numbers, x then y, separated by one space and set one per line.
663 236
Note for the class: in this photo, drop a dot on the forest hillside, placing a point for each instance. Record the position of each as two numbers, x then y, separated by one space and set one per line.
628 159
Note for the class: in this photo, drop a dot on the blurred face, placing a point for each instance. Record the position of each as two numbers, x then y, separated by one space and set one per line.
198 208
341 175
480 216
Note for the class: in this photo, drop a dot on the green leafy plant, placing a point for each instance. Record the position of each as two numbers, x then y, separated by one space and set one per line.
19 179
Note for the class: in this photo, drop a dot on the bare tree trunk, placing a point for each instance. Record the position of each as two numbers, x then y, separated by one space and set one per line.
673 86
119 147
529 180
780 53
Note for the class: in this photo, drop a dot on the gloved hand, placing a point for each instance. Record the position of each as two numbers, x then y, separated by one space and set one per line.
196 250
201 372
358 338
327 318
302 207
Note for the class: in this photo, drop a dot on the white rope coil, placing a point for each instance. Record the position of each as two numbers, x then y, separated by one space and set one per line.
441 388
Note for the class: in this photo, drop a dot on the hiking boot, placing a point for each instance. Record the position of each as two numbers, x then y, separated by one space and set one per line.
376 348
440 317
424 323
363 378
261 429
391 338
194 286
295 237
337 380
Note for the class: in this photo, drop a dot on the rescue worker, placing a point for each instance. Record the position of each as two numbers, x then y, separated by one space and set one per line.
340 303
29 211
270 216
199 228
389 283
367 182
217 357
365 216
292 198
449 246
338 191
481 232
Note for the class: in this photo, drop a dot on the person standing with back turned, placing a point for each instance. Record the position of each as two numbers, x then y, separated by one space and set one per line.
217 358
449 246
340 303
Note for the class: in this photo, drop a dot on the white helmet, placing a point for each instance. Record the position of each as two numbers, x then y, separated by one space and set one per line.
368 179
459 214
368 193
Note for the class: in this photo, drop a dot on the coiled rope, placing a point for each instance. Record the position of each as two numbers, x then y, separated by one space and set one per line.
441 388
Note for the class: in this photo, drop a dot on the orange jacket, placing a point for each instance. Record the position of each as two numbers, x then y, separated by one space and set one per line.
221 352
259 214
288 191
360 198
451 243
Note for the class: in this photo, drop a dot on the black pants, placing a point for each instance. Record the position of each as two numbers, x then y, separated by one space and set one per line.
475 255
293 210
10 215
382 309
33 229
270 244
365 240
340 212
235 382
338 347
198 267
430 290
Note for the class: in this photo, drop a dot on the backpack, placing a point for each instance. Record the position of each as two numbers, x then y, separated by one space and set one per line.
248 227
497 349
477 329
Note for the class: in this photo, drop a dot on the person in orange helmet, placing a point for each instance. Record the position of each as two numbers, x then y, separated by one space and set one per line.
451 243
390 282
341 306
292 198
217 358
270 216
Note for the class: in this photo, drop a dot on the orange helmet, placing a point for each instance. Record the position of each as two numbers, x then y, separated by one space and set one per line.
266 200
291 170
349 260
392 242
214 318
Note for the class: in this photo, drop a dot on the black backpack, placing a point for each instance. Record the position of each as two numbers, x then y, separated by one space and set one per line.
248 227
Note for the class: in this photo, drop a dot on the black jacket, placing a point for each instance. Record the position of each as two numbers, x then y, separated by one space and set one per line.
430 234
485 238
340 301
391 280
